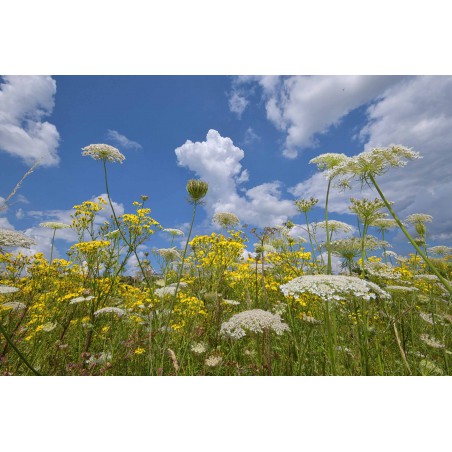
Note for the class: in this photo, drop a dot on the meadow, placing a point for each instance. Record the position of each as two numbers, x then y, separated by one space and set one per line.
209 308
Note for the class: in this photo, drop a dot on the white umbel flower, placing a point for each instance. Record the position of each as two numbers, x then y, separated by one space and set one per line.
8 289
118 311
199 348
15 238
431 341
103 152
213 361
333 287
54 225
81 299
174 232
254 321
14 305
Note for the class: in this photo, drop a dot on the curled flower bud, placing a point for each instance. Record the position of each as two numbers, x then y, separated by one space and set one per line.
197 189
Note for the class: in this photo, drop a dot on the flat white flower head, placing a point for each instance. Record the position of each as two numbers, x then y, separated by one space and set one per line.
15 238
333 287
103 152
254 321
118 311
226 219
8 289
174 232
53 225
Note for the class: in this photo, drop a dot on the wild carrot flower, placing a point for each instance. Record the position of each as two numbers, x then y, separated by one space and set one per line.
8 289
431 341
334 226
440 250
197 189
213 361
199 348
169 254
110 309
333 287
81 299
173 232
49 326
15 238
305 205
418 220
427 367
254 321
103 152
53 225
13 305
329 161
375 162
226 219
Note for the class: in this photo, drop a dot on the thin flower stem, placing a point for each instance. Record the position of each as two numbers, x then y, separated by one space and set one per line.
329 266
21 356
408 236
53 241
133 248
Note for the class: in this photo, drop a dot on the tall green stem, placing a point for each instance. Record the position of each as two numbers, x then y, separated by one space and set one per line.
21 356
53 241
408 236
310 238
329 267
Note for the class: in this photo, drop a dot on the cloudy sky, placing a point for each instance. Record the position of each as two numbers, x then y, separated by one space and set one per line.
250 137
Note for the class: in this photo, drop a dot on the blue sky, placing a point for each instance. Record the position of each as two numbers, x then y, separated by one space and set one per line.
251 138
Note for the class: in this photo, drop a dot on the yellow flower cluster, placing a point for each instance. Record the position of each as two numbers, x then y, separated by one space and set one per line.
139 223
85 213
90 247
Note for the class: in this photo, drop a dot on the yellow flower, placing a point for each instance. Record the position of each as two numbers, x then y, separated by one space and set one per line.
139 351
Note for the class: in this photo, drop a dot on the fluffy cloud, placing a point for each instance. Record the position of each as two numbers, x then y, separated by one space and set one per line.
417 112
24 102
217 161
122 140
305 106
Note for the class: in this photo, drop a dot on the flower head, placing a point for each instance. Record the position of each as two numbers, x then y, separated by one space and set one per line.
213 361
173 232
226 219
329 161
333 287
103 152
169 254
8 289
305 205
110 309
197 189
54 225
15 238
199 348
334 226
255 321
431 341
440 250
375 162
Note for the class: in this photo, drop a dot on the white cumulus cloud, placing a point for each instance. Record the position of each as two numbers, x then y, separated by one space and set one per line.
24 103
306 106
217 161
416 112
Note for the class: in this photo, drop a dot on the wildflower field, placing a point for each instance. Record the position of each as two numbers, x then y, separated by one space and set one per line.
239 301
